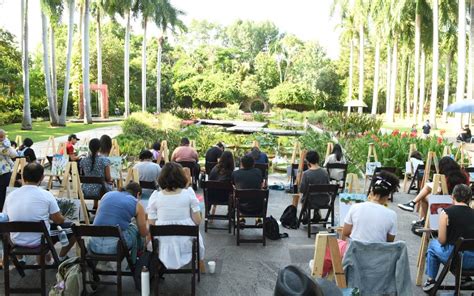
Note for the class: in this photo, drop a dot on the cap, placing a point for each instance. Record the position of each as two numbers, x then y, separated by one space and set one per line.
73 136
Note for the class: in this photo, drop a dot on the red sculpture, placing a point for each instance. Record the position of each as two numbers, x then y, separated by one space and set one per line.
105 99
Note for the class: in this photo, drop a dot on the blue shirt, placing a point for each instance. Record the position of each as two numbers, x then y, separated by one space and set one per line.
116 208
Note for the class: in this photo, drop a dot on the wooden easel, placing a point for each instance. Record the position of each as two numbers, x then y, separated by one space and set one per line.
371 154
323 240
430 160
438 180
115 151
17 169
352 181
447 151
192 144
132 176
299 175
50 146
296 150
329 149
461 156
408 175
61 149
19 140
85 141
164 151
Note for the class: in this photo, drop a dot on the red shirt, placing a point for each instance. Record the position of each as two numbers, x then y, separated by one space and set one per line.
69 148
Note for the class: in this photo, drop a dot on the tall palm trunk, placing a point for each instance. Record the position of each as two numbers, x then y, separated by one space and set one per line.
460 87
407 88
449 58
99 61
126 65
375 96
144 66
70 32
54 80
470 82
53 116
351 70
417 65
422 86
26 121
361 65
158 74
393 84
86 65
389 72
434 75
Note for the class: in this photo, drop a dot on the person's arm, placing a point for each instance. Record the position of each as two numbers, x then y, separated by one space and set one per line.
443 228
393 229
347 230
195 155
348 223
141 220
108 176
54 211
195 209
57 218
173 155
9 152
303 184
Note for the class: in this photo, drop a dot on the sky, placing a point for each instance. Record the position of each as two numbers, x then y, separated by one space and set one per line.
307 19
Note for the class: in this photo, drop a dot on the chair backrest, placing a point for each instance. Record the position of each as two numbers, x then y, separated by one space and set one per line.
254 201
469 169
92 180
321 192
378 170
464 245
294 170
188 164
174 230
216 192
337 166
209 166
81 231
148 185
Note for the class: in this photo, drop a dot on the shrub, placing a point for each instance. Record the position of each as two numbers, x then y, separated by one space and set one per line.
317 117
315 141
352 124
11 117
292 95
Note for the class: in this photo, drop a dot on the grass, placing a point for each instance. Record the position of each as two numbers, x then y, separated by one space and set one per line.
42 129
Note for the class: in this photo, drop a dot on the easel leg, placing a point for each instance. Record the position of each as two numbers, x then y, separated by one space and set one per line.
336 262
319 252
422 258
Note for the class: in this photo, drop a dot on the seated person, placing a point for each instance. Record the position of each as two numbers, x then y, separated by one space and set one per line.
336 157
465 135
213 155
416 159
454 176
70 151
372 221
223 170
175 204
148 171
248 177
105 145
314 175
156 152
120 208
454 222
32 203
95 165
258 156
26 151
186 153
7 154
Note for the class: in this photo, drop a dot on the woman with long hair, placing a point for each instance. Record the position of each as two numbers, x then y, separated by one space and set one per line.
105 145
95 165
222 171
336 157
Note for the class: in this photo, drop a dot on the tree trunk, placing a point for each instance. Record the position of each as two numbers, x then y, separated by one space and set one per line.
403 89
53 116
99 60
387 92
54 80
407 88
351 71
393 84
422 87
375 97
144 66
361 65
86 65
126 70
449 58
70 32
470 79
460 87
417 65
434 75
26 121
158 74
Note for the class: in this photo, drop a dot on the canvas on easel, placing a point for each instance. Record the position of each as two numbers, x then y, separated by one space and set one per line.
462 157
329 149
409 166
115 151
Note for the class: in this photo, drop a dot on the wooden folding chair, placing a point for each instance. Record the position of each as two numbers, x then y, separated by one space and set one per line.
178 230
100 181
88 258
250 203
11 251
221 194
313 193
377 172
338 166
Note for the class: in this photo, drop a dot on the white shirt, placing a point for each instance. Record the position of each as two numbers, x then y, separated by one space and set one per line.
29 203
148 171
371 222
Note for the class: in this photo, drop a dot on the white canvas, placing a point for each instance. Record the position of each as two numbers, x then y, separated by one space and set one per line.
370 167
435 204
346 200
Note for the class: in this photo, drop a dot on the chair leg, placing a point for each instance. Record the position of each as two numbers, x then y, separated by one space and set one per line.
6 270
440 280
119 273
205 225
263 235
309 222
193 267
43 273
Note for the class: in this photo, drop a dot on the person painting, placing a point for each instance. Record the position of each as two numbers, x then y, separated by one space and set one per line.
105 145
70 151
7 153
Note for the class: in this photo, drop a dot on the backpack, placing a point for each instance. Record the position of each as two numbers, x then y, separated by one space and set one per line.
69 279
288 218
272 230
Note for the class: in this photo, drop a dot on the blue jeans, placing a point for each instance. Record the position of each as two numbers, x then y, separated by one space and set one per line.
438 253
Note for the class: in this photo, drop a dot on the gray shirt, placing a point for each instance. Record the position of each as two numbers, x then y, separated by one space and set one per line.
314 177
148 171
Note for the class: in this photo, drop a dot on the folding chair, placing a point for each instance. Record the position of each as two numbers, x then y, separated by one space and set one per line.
377 172
88 258
416 179
250 203
178 230
148 185
11 251
313 193
293 175
338 166
192 167
454 265
218 193
263 167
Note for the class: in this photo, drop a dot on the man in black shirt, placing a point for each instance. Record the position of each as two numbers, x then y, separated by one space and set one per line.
213 155
247 177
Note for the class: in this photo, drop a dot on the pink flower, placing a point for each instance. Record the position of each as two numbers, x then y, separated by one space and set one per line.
384 145
404 135
442 132
440 140
413 135
395 132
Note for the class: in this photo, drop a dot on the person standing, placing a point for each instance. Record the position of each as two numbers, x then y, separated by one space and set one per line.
426 129
213 155
7 153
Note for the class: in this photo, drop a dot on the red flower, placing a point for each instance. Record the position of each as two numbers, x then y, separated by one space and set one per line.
395 132
404 135
413 135
440 140
442 132
384 145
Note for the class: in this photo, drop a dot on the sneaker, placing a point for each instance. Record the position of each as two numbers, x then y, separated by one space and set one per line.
409 206
419 223
428 285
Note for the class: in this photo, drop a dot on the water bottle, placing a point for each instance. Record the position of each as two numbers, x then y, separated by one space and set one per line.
145 280
63 237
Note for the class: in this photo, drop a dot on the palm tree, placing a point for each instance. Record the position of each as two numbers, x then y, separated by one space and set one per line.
470 83
26 122
417 58
96 10
70 32
434 76
422 86
86 65
460 87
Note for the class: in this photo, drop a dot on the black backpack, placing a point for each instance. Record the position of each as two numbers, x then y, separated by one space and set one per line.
288 218
272 230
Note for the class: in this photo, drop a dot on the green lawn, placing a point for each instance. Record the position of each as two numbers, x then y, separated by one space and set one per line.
42 130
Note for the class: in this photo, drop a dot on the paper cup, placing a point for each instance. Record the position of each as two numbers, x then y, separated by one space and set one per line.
212 266
311 264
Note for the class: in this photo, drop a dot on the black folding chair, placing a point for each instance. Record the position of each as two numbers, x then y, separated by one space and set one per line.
209 166
250 203
293 175
338 166
319 197
178 230
88 258
191 165
99 181
377 172
11 252
148 185
454 265
415 183
469 171
218 193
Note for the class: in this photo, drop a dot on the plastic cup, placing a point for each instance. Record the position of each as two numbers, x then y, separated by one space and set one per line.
212 266
311 264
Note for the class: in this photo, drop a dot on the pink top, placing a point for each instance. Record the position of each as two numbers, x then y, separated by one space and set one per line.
185 153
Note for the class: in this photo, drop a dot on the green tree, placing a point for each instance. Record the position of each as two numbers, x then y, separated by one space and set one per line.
293 95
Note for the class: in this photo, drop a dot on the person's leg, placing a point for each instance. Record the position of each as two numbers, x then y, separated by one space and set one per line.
423 195
423 208
4 182
435 255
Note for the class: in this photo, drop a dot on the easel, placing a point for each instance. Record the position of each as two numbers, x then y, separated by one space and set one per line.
447 151
17 168
299 175
430 160
408 175
132 176
164 151
85 141
192 144
352 181
51 176
19 140
115 151
256 144
71 177
438 180
329 149
324 240
296 149
460 156
371 154
50 146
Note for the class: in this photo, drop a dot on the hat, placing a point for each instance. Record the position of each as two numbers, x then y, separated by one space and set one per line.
292 281
73 136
